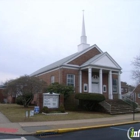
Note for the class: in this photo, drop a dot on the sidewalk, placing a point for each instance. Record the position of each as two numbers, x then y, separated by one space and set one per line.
31 127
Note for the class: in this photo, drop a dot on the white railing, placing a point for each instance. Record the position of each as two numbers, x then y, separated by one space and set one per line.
128 99
106 105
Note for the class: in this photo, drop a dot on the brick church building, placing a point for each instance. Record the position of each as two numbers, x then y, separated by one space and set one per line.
90 70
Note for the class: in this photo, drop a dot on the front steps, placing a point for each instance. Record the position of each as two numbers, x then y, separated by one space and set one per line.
116 106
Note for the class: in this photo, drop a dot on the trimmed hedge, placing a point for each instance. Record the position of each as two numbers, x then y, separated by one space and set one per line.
90 96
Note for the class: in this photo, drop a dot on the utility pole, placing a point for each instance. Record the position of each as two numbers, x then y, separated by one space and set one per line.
134 107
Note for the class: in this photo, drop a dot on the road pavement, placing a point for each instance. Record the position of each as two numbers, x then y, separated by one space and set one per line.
108 133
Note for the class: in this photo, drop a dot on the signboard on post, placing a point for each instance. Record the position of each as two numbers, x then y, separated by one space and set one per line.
36 109
51 100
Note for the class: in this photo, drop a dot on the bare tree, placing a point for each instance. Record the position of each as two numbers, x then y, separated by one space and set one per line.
25 86
136 71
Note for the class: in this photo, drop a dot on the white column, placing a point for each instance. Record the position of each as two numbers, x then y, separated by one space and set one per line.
80 81
119 85
101 81
89 80
110 85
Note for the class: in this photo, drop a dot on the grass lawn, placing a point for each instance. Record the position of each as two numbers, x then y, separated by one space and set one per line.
16 113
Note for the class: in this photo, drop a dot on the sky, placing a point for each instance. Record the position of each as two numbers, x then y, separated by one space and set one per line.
35 33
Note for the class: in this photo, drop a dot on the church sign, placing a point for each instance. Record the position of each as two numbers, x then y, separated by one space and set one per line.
51 100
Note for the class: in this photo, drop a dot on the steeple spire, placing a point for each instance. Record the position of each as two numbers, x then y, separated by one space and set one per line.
83 26
83 36
83 44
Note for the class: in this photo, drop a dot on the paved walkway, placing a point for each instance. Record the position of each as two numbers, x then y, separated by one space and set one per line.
3 119
30 127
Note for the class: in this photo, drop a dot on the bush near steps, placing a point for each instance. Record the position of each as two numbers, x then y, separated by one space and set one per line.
89 101
90 96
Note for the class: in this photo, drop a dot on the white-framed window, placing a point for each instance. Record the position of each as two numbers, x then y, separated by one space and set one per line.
104 88
71 80
85 87
122 89
115 85
138 95
52 79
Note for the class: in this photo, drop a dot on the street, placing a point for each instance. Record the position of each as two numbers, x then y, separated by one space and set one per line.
108 133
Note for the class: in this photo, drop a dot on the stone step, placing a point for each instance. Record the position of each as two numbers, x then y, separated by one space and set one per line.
119 107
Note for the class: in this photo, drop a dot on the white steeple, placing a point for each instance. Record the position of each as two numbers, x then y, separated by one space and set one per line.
83 44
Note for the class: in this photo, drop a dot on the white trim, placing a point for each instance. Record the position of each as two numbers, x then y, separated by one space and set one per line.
73 79
94 67
55 70
71 65
85 85
89 79
110 85
100 57
64 67
106 54
100 81
46 72
80 81
99 67
82 52
104 86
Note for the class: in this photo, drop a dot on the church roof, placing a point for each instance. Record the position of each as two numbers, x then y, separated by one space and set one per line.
103 59
62 61
53 65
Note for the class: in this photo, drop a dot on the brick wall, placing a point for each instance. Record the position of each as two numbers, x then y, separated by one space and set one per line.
47 76
84 79
84 57
105 82
137 91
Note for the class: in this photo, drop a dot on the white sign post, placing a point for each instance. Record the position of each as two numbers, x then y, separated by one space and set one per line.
51 100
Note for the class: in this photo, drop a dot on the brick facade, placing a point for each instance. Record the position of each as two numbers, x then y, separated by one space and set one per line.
85 57
47 76
60 73
137 91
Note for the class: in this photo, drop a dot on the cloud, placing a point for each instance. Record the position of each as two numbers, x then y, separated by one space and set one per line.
35 33
7 76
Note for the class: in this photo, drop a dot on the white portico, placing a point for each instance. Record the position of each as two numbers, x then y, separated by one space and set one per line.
103 76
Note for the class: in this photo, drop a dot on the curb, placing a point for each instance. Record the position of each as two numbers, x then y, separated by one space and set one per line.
65 130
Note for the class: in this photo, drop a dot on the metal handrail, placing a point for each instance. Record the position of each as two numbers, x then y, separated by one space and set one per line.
128 100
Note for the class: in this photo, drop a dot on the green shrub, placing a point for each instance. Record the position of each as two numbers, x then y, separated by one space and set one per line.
90 97
19 100
45 109
62 108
